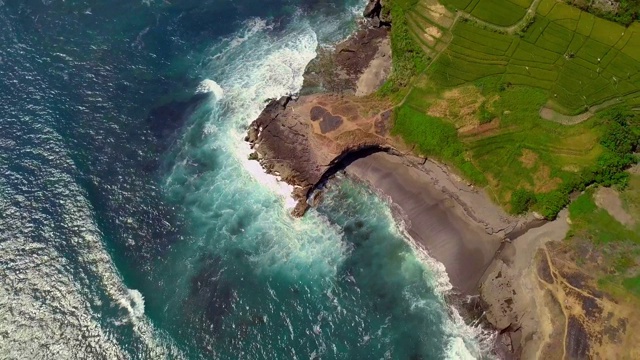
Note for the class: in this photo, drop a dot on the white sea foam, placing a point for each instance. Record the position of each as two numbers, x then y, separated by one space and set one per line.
251 27
274 183
465 341
457 350
259 73
133 302
75 288
210 86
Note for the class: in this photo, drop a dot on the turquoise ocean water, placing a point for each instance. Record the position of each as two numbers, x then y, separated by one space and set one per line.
132 225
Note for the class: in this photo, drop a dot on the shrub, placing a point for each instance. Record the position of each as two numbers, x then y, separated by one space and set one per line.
485 115
626 14
622 135
619 139
550 204
522 200
610 169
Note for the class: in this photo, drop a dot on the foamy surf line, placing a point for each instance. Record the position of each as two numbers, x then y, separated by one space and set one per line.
466 341
267 66
276 73
272 182
208 86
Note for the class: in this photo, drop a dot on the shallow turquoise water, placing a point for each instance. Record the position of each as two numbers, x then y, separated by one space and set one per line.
132 224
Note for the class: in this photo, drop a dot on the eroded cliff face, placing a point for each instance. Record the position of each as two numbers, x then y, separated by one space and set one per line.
301 140
590 323
357 66
545 306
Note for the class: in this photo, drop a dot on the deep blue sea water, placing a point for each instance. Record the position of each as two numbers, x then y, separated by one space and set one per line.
132 225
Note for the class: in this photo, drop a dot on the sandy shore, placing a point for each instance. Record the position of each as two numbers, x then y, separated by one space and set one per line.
457 225
484 250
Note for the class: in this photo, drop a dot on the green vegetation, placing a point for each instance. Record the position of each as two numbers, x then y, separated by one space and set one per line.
576 71
503 13
621 140
522 200
472 92
617 246
631 198
487 88
434 137
550 204
523 153
408 57
627 12
596 224
632 284
622 136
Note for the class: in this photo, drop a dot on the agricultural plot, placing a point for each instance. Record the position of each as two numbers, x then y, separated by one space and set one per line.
580 60
499 12
545 6
522 3
566 61
632 46
585 23
523 151
436 13
429 23
458 4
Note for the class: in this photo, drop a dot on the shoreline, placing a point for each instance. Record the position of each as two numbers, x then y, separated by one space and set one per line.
332 125
493 273
511 276
435 218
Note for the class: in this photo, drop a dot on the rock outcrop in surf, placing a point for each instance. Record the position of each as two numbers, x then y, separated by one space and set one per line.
300 139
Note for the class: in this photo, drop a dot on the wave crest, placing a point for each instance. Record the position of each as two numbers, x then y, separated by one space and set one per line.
210 86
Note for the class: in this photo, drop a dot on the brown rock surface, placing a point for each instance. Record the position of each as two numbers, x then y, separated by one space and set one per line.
515 304
300 140
360 64
551 308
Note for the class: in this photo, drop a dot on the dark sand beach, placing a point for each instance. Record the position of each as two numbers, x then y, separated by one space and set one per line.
435 218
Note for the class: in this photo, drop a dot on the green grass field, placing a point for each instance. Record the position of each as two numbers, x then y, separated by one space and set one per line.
499 12
554 151
565 60
580 60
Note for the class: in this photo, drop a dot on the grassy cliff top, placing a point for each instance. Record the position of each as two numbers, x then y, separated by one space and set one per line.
518 95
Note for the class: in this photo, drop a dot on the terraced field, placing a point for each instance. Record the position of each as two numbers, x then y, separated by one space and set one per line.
495 69
430 22
498 12
579 59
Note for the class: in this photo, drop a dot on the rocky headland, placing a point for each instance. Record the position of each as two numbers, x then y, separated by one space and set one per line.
302 138
499 265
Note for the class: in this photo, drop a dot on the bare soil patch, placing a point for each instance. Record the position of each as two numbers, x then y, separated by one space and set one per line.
528 158
459 105
609 200
543 181
434 32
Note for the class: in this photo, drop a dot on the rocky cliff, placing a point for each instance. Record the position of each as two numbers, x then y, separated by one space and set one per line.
301 138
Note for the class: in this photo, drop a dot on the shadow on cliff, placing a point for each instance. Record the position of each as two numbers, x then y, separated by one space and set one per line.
347 158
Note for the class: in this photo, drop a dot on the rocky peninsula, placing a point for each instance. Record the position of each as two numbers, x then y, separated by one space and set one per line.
336 123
